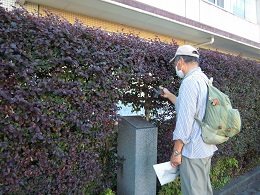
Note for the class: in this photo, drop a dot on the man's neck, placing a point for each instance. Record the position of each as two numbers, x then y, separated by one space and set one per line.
190 66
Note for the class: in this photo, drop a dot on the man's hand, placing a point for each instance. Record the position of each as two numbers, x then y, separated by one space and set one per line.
168 94
175 160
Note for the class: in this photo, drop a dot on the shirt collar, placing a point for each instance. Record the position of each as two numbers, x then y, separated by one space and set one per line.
192 71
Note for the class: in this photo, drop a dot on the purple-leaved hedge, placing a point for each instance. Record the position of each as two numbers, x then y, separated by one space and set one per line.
59 88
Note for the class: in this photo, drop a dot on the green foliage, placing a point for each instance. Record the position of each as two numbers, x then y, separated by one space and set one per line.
171 188
222 170
108 192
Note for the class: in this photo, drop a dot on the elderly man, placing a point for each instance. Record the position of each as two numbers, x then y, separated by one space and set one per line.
190 153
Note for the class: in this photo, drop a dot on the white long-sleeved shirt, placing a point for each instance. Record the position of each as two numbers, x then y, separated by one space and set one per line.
191 101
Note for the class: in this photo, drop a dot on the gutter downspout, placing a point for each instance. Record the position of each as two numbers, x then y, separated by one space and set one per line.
206 43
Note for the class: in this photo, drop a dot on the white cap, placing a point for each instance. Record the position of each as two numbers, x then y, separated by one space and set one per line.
186 50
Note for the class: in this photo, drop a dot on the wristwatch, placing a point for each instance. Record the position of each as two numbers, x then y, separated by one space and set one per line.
176 153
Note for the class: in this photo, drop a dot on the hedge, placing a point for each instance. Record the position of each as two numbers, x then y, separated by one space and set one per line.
60 84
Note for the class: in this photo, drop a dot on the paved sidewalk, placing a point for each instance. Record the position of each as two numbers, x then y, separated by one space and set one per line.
247 184
252 189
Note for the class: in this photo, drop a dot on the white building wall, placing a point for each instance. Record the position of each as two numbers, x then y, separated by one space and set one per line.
204 12
193 9
175 6
258 15
224 20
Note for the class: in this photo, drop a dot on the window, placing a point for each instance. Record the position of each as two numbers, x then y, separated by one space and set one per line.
219 3
239 8
245 9
242 8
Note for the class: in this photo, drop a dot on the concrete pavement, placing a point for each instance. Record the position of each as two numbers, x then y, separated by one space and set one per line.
252 189
247 184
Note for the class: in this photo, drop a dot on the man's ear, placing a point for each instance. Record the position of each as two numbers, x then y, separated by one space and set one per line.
181 61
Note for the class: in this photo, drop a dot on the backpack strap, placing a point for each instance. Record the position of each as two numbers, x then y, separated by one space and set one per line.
198 120
209 83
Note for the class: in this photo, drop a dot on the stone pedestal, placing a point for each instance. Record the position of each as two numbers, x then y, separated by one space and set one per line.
137 153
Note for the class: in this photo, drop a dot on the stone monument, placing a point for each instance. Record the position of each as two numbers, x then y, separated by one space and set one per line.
137 153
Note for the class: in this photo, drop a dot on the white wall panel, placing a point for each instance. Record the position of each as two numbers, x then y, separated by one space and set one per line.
193 9
211 15
174 6
221 19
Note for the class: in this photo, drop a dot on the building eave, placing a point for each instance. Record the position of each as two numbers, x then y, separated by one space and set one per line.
136 14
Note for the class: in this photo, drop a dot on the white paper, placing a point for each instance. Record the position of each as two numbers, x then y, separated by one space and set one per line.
165 172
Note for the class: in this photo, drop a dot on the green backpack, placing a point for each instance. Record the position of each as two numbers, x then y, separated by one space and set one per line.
221 121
